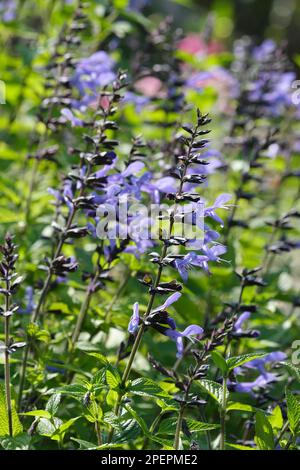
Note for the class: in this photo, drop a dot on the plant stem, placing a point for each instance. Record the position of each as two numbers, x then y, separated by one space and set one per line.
7 377
283 430
98 433
178 428
223 414
152 297
152 428
6 361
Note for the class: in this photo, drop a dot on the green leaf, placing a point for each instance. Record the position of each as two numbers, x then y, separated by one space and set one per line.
238 446
276 419
214 389
168 405
237 361
293 411
20 442
142 424
53 403
168 426
147 388
94 412
295 371
76 391
38 414
241 407
16 424
60 432
264 436
99 356
219 361
113 379
85 445
46 427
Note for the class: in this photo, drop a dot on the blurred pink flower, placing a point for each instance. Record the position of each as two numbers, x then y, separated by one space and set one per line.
194 44
149 86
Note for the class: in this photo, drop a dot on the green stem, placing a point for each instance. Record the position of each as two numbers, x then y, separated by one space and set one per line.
282 432
178 428
223 414
98 433
152 428
6 360
7 377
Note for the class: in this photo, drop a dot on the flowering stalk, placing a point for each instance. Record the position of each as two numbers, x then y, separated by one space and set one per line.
157 316
59 265
58 65
11 283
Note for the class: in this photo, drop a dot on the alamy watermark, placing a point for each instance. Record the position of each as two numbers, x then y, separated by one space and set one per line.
126 219
295 359
296 93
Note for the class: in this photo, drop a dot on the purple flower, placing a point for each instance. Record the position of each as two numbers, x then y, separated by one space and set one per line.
220 203
8 9
264 378
137 5
167 185
138 101
183 265
92 74
191 260
69 116
134 320
177 336
260 382
240 321
170 300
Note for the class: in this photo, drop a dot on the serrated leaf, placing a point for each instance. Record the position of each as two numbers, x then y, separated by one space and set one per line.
295 371
264 436
73 390
293 411
59 433
138 419
99 356
53 403
147 388
46 427
237 361
20 442
113 379
16 424
168 426
214 389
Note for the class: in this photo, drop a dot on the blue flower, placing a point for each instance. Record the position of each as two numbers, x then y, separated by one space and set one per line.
134 320
220 203
170 300
177 336
69 116
264 378
8 9
183 265
92 74
137 5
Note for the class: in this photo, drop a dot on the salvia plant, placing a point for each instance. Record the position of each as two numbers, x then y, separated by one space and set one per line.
149 253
